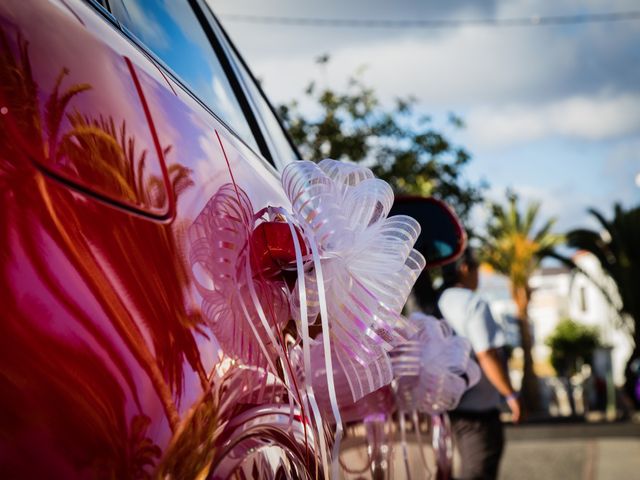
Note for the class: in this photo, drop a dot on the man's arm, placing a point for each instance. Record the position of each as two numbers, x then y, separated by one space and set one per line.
493 368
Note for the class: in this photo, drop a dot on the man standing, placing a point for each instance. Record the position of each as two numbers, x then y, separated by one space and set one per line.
476 426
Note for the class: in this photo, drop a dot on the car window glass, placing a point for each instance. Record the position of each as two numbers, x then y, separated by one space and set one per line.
171 30
284 152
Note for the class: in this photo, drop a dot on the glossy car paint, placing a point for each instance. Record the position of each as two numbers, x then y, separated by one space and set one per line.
105 362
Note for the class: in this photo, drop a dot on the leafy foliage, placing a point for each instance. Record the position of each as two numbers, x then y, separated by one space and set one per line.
401 146
511 246
617 248
572 344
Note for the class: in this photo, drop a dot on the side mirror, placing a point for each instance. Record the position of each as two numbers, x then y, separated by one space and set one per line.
442 239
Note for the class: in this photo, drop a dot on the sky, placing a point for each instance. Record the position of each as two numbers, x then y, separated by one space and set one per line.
552 112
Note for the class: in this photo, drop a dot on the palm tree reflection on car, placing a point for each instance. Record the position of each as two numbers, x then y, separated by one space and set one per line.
93 149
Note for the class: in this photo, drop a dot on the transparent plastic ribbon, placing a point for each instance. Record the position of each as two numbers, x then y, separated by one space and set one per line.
355 268
234 297
219 239
302 319
362 270
442 444
404 446
415 420
364 266
433 369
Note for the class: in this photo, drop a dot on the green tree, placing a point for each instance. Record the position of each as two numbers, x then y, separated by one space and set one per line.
401 146
514 249
572 344
617 247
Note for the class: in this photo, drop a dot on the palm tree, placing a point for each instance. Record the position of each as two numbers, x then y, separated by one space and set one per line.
617 247
512 248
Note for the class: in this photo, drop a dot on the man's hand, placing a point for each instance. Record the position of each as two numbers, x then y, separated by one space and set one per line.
495 370
513 402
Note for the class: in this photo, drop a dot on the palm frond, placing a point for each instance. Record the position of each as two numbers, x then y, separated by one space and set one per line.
619 256
56 106
601 219
509 246
530 218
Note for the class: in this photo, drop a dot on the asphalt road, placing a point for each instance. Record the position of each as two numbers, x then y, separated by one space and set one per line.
572 452
550 451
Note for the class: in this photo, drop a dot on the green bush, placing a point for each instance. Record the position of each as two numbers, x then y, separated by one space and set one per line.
572 345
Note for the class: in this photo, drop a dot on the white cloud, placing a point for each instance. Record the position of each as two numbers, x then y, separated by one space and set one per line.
451 69
468 66
143 23
586 118
186 21
495 78
621 171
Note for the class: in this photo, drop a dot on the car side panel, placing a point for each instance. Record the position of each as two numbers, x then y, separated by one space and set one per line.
104 353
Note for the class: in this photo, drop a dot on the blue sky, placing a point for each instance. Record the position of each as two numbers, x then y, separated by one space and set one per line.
552 111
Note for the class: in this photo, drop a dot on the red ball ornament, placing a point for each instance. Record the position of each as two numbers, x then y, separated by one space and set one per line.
273 251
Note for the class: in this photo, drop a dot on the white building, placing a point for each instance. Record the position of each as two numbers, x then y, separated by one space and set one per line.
560 293
588 305
550 298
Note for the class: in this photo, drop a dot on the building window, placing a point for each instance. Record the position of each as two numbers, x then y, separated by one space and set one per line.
583 299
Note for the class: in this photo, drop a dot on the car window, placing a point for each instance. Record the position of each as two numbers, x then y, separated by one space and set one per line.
170 29
284 153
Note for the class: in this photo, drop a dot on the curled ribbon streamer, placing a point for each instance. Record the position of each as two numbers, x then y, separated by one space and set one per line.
280 347
403 443
442 444
342 210
326 344
308 399
237 428
288 369
416 428
306 342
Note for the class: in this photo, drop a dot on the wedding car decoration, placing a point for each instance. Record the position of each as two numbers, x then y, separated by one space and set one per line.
314 294
220 259
432 369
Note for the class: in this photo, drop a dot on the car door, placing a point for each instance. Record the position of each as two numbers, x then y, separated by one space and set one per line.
106 159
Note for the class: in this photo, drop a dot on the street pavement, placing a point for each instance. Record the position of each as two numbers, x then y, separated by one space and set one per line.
572 452
549 451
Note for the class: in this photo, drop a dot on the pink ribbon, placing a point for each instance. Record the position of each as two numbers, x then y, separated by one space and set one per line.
363 267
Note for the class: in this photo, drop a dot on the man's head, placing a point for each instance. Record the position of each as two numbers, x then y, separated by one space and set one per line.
462 272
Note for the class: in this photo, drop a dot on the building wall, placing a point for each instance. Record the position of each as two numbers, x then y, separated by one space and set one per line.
549 305
588 305
558 294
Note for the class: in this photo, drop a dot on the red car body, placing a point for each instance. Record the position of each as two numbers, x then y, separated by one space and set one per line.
105 161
